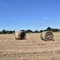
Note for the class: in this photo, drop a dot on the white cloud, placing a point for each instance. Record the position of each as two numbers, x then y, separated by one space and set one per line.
45 18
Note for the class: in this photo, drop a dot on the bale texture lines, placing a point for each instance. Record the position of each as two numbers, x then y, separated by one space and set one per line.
47 35
20 35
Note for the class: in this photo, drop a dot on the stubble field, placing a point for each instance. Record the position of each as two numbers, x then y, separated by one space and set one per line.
33 48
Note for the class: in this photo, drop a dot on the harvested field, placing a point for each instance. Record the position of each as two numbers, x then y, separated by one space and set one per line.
33 48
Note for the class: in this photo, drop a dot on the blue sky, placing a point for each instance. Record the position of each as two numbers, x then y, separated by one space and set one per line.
29 14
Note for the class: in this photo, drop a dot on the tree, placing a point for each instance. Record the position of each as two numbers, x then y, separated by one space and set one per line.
3 31
28 31
41 30
55 30
0 32
48 29
36 31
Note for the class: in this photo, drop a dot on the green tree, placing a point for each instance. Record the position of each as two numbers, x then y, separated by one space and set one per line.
36 31
48 29
3 31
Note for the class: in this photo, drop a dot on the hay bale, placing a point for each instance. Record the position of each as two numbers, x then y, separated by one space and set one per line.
20 35
47 35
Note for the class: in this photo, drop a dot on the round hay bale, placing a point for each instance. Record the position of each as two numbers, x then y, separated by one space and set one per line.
20 35
47 35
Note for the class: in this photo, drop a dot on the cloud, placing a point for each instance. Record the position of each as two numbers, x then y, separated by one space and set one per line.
45 18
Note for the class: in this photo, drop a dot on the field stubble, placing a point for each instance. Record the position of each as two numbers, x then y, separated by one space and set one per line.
33 48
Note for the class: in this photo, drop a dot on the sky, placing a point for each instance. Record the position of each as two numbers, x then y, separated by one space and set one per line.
29 14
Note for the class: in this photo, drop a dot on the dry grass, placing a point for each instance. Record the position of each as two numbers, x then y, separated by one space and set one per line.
33 48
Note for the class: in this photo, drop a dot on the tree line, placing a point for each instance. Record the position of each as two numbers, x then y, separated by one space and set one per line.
36 31
6 32
29 31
